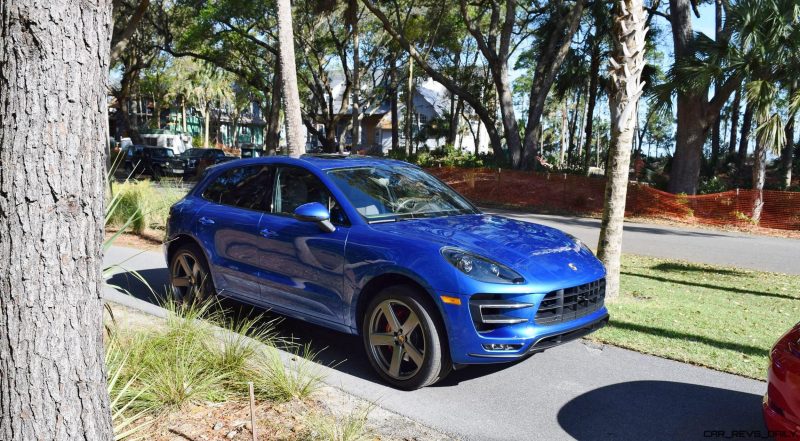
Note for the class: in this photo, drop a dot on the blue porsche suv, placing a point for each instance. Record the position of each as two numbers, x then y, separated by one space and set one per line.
382 249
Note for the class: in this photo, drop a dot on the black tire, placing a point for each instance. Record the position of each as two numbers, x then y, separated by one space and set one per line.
157 173
198 285
425 341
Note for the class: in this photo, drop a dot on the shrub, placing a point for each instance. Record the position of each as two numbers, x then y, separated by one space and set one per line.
138 205
712 185
190 360
351 427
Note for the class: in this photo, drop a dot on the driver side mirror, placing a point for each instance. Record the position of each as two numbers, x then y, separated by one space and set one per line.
315 212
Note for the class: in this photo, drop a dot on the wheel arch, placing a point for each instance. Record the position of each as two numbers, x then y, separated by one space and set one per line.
379 282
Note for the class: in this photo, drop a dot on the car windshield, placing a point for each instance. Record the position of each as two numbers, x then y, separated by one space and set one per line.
193 153
163 153
389 194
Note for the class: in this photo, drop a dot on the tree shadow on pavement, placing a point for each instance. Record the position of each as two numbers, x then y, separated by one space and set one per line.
662 410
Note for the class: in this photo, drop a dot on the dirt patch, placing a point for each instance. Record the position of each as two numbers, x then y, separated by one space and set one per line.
150 239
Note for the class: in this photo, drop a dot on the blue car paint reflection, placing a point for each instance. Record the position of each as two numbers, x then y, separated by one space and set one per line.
298 269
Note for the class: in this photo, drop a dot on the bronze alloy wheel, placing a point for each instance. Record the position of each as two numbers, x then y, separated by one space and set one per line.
191 281
396 339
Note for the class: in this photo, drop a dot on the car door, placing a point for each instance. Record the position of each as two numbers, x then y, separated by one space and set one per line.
303 267
228 226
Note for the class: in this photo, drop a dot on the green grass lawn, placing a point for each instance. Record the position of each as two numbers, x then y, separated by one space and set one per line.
723 318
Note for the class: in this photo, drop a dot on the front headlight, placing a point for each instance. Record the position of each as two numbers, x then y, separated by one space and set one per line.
579 245
481 268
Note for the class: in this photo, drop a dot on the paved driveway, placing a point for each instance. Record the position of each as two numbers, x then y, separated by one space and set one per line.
692 244
575 391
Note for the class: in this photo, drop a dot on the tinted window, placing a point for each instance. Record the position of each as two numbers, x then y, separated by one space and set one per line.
245 187
296 186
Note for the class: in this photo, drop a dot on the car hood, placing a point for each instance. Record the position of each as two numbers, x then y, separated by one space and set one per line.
541 254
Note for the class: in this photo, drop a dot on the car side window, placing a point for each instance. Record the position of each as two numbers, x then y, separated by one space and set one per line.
295 186
244 187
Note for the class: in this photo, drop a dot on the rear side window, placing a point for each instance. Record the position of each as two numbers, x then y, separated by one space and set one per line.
244 187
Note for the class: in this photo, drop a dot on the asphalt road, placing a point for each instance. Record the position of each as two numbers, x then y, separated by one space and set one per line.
691 244
576 391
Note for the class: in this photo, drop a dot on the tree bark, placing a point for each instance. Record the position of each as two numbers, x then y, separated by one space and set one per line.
696 114
273 137
207 125
627 63
55 61
295 141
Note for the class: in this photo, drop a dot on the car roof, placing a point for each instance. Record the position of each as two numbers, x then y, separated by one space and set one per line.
334 161
319 162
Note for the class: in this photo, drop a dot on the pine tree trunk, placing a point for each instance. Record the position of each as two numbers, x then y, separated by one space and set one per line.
409 106
629 33
53 76
295 141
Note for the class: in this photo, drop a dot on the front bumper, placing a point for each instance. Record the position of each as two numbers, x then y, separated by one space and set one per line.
468 345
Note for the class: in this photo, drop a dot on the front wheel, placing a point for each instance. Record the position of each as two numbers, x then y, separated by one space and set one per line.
190 276
404 339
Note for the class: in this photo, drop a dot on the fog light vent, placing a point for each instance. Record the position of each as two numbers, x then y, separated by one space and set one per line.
502 347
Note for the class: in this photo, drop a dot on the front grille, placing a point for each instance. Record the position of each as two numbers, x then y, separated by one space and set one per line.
568 304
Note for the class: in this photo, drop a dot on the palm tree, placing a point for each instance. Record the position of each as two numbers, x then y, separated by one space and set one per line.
295 142
768 37
627 63
209 86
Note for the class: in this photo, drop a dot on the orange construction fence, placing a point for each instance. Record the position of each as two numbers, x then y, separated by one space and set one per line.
577 194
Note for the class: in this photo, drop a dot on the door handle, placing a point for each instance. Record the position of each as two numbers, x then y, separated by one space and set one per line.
206 221
266 232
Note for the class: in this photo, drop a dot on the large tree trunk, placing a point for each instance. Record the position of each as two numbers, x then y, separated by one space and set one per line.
54 57
690 135
295 141
507 114
626 86
273 137
691 130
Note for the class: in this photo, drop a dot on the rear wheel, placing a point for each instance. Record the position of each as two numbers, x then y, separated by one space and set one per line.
404 339
190 276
